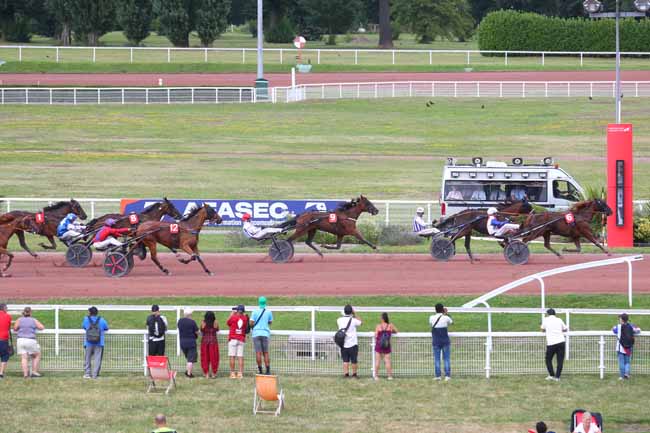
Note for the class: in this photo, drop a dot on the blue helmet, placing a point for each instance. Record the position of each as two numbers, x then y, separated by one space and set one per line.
71 217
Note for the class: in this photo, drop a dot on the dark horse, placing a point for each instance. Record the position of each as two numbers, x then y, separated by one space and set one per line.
53 215
470 220
340 222
186 238
152 212
9 226
555 223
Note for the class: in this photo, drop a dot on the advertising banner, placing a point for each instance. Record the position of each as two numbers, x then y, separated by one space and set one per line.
620 225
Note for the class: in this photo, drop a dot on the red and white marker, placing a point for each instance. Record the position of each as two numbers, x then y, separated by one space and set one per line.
569 218
299 42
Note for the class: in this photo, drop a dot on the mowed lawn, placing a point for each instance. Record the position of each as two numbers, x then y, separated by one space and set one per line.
386 149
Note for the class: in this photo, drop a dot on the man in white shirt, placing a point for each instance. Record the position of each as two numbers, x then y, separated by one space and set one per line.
454 194
420 226
588 425
478 194
555 343
440 341
350 349
254 232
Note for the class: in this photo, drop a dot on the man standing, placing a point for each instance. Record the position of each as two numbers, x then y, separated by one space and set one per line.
260 324
555 343
156 328
95 327
188 332
5 324
440 341
350 350
625 332
238 323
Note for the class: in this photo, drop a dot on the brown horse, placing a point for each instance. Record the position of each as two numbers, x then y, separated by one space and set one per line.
465 222
152 212
555 223
53 215
8 227
340 222
186 237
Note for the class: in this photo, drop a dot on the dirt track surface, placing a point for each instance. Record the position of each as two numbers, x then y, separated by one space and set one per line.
247 79
335 275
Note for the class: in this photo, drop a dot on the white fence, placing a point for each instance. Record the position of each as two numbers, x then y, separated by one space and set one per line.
460 89
25 53
135 95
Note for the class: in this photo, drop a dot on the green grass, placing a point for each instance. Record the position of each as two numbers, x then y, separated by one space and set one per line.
506 405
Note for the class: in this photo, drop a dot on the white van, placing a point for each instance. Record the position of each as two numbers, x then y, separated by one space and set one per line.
484 184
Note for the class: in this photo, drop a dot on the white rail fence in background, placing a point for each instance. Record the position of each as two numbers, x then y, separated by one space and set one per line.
25 53
459 89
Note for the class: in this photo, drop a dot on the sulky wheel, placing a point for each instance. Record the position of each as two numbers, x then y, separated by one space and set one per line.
129 259
116 264
442 249
516 252
78 255
281 251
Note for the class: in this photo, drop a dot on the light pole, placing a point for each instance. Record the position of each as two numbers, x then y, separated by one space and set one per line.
594 7
261 84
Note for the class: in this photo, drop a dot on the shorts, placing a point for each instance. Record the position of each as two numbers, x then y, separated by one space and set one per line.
4 350
261 344
350 354
236 348
190 353
27 346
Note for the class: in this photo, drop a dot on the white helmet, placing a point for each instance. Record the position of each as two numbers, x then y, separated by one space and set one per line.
492 211
419 210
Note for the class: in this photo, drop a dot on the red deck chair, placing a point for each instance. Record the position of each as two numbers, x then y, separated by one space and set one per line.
159 373
576 418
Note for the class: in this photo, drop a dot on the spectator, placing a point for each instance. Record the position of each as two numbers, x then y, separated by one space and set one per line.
586 426
188 332
555 343
540 427
624 332
518 193
156 328
479 194
26 344
5 325
440 340
350 349
260 324
454 194
209 345
161 425
95 327
383 332
238 323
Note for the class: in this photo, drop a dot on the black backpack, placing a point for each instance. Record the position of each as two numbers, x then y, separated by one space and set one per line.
384 339
93 333
339 337
627 336
162 328
248 324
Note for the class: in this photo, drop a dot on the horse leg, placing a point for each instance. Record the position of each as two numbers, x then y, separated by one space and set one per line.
196 256
154 257
359 236
11 257
52 245
310 237
591 238
468 247
576 241
547 244
339 239
23 244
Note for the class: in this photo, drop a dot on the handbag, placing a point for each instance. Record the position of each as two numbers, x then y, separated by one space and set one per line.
339 337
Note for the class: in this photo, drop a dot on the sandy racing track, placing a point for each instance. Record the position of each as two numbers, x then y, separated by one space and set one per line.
335 275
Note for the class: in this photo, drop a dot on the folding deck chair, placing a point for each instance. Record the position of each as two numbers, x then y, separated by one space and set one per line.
159 373
266 389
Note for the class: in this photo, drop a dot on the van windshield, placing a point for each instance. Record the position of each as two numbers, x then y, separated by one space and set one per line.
480 190
565 190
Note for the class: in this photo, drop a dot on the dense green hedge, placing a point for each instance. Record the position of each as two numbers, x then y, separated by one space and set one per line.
508 30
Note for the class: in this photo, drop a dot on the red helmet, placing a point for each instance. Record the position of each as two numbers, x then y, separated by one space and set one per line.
246 217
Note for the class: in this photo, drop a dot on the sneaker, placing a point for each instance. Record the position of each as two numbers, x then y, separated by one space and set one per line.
447 379
354 376
375 377
34 374
627 376
233 375
346 376
621 378
259 368
2 376
550 378
268 371
557 379
240 375
190 375
437 378
86 376
390 377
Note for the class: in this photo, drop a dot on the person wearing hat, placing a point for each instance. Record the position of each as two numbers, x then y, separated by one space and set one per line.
238 323
260 324
496 227
68 228
156 329
188 332
106 236
94 349
255 232
555 343
420 226
625 332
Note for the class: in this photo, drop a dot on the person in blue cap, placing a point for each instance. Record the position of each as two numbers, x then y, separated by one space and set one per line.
261 331
69 228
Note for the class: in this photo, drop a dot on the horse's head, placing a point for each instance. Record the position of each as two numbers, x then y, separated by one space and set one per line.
76 209
212 214
168 208
601 206
366 205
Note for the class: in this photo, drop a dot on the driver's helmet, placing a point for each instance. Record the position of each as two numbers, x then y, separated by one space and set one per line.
71 217
109 222
419 210
492 211
246 217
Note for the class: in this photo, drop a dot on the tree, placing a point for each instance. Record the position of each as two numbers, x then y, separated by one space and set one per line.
177 19
335 16
92 19
385 32
16 18
430 19
212 20
62 11
135 17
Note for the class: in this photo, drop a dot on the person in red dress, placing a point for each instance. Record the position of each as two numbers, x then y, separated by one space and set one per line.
209 345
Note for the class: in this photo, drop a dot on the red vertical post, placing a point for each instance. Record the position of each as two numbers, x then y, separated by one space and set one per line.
620 231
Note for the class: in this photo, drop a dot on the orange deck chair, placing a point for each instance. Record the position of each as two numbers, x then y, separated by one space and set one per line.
266 389
160 372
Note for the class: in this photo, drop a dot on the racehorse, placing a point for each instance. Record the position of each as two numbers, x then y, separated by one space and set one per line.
559 223
341 222
8 227
183 235
152 212
52 214
476 219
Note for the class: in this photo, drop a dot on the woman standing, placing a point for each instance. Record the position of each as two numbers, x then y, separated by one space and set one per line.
209 345
383 332
27 346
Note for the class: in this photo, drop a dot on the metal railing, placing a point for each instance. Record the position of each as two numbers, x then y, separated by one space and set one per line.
351 56
459 89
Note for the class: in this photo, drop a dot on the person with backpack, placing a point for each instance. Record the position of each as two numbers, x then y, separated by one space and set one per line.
441 344
95 327
261 320
349 344
239 325
383 333
156 328
625 332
